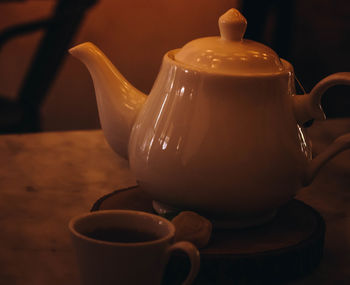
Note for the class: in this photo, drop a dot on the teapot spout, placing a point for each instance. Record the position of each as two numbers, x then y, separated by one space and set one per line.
118 101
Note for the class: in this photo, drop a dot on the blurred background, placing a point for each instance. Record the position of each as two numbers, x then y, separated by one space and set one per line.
314 35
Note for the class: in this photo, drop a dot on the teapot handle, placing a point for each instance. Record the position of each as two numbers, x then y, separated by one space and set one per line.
308 107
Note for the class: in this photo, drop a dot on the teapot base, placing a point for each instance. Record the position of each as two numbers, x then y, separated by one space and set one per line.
234 223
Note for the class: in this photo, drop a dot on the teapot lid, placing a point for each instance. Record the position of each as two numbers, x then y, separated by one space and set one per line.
230 53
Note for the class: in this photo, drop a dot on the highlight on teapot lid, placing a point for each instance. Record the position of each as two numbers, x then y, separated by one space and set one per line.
230 53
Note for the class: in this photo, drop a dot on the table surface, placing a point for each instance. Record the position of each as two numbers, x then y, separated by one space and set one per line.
47 178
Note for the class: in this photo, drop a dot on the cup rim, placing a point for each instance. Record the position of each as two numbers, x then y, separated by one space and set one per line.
74 220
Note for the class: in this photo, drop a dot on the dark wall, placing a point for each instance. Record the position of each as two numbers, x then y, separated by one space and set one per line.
314 35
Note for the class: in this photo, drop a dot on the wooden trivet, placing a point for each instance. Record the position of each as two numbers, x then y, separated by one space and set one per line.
287 248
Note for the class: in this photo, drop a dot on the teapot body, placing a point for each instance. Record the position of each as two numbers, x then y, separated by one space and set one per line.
221 145
220 132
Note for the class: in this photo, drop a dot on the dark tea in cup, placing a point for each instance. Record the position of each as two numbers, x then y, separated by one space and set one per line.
126 247
122 235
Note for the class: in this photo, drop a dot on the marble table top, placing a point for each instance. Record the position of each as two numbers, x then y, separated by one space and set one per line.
47 178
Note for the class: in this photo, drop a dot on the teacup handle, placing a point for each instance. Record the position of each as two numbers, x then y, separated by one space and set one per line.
193 254
308 107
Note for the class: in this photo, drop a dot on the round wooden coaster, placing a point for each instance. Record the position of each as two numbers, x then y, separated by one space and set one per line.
287 248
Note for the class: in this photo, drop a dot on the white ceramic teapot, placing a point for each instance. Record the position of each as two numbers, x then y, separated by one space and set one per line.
221 131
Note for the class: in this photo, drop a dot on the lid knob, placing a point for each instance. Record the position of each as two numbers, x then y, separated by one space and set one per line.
232 25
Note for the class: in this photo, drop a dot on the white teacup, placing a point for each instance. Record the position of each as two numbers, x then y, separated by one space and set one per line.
126 248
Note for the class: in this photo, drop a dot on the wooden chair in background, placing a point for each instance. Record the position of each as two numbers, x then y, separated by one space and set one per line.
23 114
